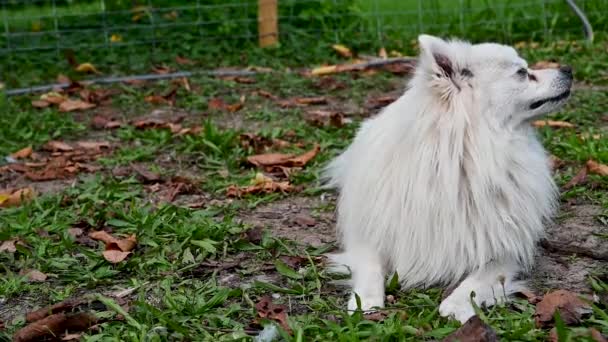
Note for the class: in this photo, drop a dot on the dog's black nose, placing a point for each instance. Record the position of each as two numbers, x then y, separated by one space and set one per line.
566 69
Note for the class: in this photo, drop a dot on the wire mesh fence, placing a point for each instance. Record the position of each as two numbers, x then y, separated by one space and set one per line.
132 33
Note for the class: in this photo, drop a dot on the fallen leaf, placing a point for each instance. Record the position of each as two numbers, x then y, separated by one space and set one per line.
474 330
545 65
311 100
219 104
102 236
304 220
244 80
115 256
597 168
293 261
571 308
183 60
530 296
147 175
53 98
579 178
555 163
116 250
304 158
54 325
261 184
156 99
75 232
93 145
40 104
552 123
9 246
101 122
342 50
71 337
115 38
23 153
87 68
596 335
269 159
73 105
323 118
17 197
267 309
57 146
34 275
161 69
377 316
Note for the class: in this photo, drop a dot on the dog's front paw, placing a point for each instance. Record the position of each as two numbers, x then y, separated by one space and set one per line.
458 307
367 303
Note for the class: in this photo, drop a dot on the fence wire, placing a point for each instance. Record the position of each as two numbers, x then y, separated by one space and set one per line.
50 29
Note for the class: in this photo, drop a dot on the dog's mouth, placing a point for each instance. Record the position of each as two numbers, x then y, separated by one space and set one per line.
557 98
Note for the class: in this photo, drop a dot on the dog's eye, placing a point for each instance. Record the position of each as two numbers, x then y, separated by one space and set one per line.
523 72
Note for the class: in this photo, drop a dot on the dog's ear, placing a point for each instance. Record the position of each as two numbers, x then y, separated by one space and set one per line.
434 52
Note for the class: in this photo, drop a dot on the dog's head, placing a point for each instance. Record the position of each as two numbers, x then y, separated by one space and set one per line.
489 78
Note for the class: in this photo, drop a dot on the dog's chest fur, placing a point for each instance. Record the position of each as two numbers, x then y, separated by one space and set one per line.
442 196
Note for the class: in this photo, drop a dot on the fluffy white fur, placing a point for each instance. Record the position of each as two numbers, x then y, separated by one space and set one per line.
449 184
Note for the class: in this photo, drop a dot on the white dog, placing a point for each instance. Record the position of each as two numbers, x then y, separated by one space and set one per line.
449 184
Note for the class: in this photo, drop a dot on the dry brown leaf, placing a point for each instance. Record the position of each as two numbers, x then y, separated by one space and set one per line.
115 256
267 309
9 246
53 98
54 325
183 60
304 158
596 335
40 104
377 316
23 153
325 70
545 65
474 330
57 146
597 168
71 337
102 236
261 184
34 275
311 100
342 50
552 123
324 118
161 69
75 232
101 122
156 99
87 68
146 175
269 159
73 105
579 178
93 145
571 308
17 197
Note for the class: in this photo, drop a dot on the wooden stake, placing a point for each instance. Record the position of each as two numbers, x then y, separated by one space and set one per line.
268 30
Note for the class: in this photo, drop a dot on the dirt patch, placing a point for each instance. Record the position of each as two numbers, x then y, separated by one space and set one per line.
295 218
573 250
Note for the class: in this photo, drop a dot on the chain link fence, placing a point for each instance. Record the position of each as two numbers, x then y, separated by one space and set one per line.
42 33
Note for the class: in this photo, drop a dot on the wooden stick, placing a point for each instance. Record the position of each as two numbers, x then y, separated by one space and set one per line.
268 29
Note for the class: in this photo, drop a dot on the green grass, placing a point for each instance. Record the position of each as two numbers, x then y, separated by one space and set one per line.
179 289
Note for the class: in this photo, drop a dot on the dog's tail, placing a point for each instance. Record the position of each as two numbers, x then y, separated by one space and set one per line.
332 175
